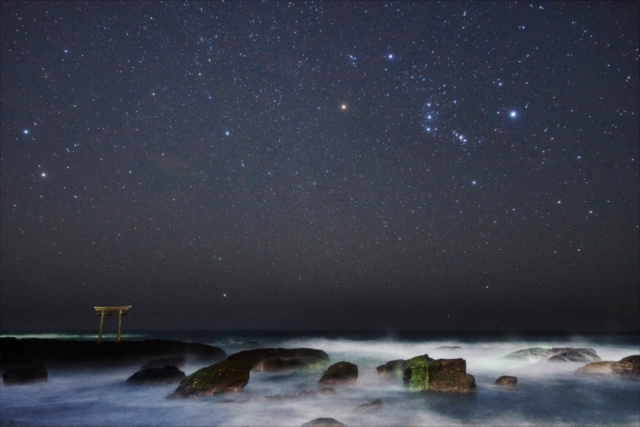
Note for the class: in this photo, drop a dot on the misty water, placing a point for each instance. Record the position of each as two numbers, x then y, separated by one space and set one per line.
546 394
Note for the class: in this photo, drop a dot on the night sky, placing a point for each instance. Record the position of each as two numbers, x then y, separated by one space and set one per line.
324 165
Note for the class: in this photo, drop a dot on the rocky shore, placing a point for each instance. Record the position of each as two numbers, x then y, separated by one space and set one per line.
53 352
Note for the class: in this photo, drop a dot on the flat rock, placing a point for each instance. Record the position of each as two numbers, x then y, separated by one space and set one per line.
339 373
507 381
275 359
223 377
392 368
555 354
321 422
166 375
161 362
25 375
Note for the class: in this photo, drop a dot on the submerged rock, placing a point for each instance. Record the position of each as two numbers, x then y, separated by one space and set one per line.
368 407
627 366
528 354
323 422
25 375
339 373
223 377
161 362
166 375
277 359
447 375
507 381
392 368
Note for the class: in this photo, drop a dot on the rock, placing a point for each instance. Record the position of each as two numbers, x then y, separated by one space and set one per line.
416 373
573 355
507 381
327 390
339 373
368 407
25 375
108 353
322 422
307 393
223 377
281 358
166 375
602 368
628 366
392 368
277 364
449 375
161 362
564 354
528 353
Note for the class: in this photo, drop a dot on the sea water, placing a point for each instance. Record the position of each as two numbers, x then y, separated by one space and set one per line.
547 393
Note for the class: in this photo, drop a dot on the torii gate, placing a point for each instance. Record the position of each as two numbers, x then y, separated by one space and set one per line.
108 311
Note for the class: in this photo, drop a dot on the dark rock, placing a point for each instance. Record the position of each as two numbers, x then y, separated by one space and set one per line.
161 362
223 377
368 407
392 368
25 375
166 375
507 381
68 352
339 373
322 422
449 375
302 357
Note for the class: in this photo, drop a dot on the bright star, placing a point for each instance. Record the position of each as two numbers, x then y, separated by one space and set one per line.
473 182
227 133
44 175
513 114
343 107
26 131
390 56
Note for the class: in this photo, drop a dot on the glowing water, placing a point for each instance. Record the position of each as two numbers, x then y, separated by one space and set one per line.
546 394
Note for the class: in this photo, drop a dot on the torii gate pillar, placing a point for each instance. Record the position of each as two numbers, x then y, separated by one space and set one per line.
108 311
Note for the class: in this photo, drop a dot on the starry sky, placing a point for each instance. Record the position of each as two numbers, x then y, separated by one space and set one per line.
321 165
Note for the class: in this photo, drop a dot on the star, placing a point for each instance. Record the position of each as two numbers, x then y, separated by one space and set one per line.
343 107
513 114
25 131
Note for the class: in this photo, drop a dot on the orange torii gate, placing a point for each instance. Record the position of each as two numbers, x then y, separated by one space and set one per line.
108 311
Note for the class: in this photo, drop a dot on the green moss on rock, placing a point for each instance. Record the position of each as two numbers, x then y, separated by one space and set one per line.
416 373
223 377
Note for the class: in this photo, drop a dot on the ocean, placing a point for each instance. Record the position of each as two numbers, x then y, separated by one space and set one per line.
546 393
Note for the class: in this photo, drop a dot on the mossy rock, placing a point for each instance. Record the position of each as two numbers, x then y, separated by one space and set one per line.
416 373
223 377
